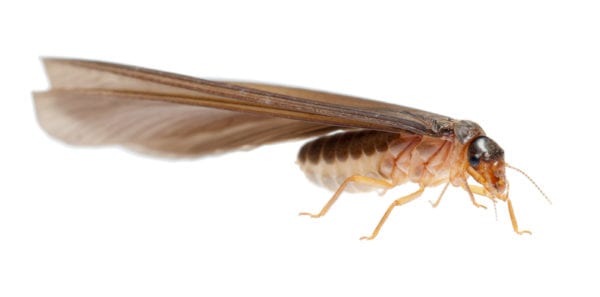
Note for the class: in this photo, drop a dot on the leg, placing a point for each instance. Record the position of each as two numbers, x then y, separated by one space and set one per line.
513 220
477 190
470 189
397 202
481 191
353 179
437 202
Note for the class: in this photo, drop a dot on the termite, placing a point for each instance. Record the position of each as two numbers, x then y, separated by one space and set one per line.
362 144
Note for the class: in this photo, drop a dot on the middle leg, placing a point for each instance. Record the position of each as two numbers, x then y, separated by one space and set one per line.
352 179
397 202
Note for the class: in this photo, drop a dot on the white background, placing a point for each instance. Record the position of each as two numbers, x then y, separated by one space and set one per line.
106 222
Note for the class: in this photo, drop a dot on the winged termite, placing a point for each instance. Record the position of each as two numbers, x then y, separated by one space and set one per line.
377 145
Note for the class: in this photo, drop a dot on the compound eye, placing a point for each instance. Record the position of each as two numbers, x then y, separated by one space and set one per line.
474 161
483 148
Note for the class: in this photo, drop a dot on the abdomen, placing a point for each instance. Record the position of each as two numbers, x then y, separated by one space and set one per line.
393 157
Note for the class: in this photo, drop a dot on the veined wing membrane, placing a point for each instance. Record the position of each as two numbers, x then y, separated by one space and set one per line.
147 123
338 109
102 103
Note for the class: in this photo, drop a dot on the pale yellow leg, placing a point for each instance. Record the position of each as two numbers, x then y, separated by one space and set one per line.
481 191
470 189
513 219
474 190
397 202
437 202
353 179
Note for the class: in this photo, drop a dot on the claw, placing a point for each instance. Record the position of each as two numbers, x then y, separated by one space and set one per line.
312 215
481 206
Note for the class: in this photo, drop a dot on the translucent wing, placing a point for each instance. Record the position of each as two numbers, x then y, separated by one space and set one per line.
95 103
145 123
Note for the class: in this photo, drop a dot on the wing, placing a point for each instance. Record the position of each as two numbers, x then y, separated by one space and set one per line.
145 123
96 103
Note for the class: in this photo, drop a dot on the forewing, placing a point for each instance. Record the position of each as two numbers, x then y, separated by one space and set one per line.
296 103
101 103
144 123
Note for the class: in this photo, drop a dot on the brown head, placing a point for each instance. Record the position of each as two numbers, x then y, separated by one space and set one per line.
486 166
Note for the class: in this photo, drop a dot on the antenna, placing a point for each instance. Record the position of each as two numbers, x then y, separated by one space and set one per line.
495 209
530 179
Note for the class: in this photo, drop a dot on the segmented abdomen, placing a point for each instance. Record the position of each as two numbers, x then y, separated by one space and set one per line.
395 158
329 160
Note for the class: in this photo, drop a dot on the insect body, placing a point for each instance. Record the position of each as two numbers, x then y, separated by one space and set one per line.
371 159
379 145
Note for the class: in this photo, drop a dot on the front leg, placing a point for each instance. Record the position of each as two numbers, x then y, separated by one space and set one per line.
470 189
513 220
511 212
